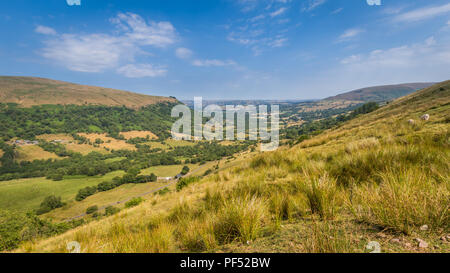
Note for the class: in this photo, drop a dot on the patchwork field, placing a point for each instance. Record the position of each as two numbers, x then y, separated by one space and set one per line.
52 137
169 143
109 142
33 152
71 144
27 194
142 134
166 171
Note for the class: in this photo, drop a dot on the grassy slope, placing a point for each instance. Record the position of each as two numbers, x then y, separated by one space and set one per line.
28 91
373 179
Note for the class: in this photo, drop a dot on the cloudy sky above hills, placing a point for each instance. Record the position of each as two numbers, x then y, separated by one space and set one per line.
256 49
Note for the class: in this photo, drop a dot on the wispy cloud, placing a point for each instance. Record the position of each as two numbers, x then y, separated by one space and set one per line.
278 12
350 34
213 62
99 52
427 53
422 13
141 71
336 11
312 4
45 30
278 42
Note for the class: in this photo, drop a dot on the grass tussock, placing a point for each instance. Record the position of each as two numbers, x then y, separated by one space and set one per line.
404 201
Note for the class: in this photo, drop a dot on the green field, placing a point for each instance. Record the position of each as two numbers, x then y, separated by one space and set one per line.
166 171
27 194
101 199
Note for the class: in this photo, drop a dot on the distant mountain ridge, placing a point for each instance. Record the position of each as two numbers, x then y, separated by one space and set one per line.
380 93
29 91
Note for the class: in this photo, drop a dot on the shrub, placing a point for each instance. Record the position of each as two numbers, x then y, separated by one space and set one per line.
183 182
133 202
110 210
163 191
185 170
106 186
85 193
50 203
91 209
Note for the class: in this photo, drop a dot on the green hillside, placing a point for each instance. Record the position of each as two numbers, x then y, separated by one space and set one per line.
379 177
380 93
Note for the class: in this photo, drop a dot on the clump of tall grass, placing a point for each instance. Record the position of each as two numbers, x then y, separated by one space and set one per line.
404 200
240 218
321 193
161 239
362 144
327 238
364 166
197 235
282 206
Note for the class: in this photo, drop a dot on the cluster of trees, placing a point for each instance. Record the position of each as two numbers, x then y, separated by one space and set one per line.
26 123
16 227
132 176
56 148
308 129
50 203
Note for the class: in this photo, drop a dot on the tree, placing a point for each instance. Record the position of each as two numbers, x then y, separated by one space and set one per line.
50 203
185 170
91 209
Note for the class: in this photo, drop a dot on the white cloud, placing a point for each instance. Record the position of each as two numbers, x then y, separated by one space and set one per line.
349 34
99 52
45 30
336 11
183 53
427 59
422 13
278 12
278 42
158 34
257 18
313 4
213 62
74 2
141 71
87 53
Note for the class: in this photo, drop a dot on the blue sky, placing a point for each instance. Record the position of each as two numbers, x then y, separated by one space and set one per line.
228 49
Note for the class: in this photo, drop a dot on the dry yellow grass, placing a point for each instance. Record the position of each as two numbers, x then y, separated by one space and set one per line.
29 91
109 142
142 134
51 137
71 144
33 152
84 149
